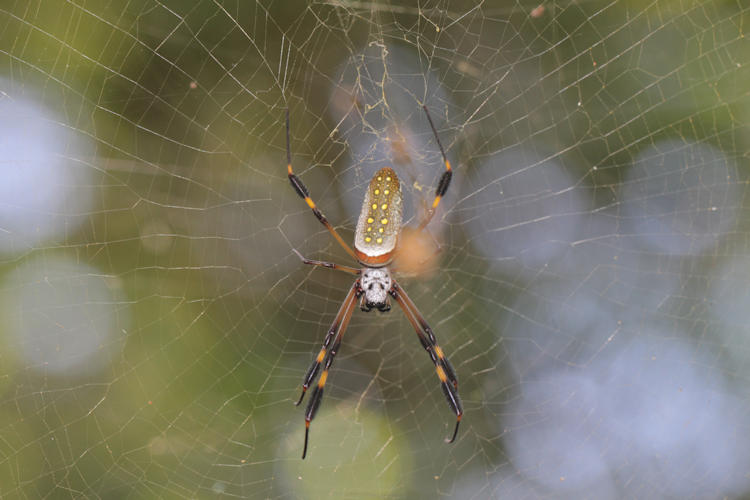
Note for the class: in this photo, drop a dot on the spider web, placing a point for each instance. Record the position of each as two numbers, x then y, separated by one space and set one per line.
590 288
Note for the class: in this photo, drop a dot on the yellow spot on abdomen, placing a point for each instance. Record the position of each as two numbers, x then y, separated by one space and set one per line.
379 240
370 220
368 239
384 221
374 206
384 206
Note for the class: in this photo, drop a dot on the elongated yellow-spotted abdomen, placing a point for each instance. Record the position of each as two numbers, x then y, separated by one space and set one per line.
380 220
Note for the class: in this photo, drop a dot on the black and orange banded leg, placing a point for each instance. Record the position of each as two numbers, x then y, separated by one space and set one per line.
443 368
335 332
351 298
445 179
425 333
303 192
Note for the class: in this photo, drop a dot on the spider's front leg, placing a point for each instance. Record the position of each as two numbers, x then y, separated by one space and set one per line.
335 333
443 368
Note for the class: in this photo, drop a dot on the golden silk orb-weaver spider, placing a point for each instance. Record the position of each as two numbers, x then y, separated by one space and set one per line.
375 244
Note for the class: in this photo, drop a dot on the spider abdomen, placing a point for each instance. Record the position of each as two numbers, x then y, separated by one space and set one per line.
380 219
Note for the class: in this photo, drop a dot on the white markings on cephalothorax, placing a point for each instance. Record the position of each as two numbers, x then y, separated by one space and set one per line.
376 282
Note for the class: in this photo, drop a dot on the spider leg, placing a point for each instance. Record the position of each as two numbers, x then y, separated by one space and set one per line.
424 332
303 192
445 179
443 368
351 298
336 331
329 265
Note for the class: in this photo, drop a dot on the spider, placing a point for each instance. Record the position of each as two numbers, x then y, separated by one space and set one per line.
375 243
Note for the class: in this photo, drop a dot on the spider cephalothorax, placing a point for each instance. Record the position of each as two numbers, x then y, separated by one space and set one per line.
375 283
375 242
